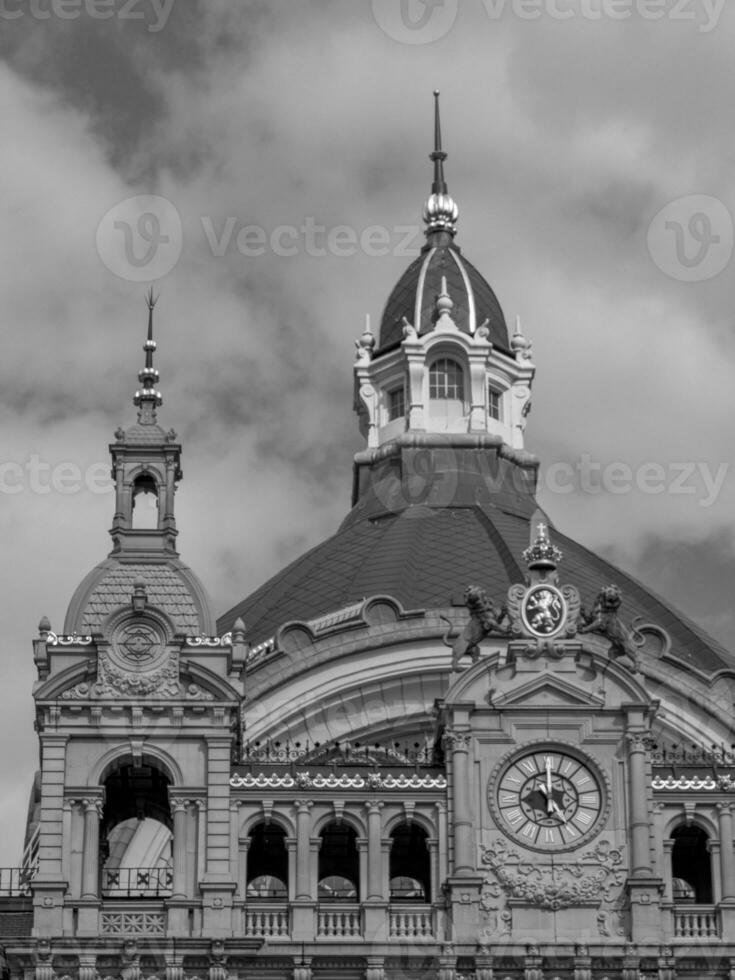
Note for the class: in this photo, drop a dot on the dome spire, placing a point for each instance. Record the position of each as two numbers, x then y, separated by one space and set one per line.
148 400
440 211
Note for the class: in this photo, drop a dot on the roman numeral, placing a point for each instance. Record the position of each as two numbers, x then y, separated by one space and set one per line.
584 817
549 837
529 831
589 799
581 781
529 765
514 816
507 798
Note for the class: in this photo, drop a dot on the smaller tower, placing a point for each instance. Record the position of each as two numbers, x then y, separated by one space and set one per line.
146 462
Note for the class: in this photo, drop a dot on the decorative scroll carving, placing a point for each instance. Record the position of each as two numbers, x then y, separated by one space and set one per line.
304 780
210 641
592 878
67 640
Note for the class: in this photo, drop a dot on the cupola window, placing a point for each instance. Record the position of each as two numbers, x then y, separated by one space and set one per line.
446 395
396 403
493 404
446 381
145 503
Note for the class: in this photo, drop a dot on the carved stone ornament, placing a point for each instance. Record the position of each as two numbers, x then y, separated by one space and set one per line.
543 611
595 877
138 663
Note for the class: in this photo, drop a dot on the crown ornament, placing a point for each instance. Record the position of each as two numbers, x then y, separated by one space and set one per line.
542 554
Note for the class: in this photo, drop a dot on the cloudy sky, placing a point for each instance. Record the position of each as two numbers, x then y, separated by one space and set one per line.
592 156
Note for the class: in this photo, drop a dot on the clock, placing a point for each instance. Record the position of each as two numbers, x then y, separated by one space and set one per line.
549 798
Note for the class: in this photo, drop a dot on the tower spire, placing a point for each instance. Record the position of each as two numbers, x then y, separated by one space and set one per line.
149 398
440 211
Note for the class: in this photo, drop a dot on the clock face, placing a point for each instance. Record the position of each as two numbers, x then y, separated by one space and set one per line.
548 799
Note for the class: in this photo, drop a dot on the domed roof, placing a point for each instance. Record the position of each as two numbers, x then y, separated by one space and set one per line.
170 585
414 297
426 557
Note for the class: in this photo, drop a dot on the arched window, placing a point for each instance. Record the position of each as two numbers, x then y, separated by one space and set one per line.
410 866
446 380
136 832
267 862
691 869
446 395
339 864
145 503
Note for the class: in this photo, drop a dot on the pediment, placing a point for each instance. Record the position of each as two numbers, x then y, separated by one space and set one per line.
546 691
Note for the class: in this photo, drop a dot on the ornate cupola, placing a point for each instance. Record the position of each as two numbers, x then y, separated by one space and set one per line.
146 469
443 370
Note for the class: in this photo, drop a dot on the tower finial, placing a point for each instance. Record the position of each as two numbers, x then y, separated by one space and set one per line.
438 155
148 400
440 211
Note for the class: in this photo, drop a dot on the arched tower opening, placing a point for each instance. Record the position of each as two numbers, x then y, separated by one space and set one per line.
339 864
145 503
136 830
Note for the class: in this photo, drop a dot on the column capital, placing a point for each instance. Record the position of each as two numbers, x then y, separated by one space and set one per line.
303 806
93 803
374 807
178 804
725 808
456 741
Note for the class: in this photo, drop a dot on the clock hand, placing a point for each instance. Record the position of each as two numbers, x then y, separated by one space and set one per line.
555 807
548 784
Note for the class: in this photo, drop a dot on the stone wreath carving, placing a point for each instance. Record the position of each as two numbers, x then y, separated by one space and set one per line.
594 877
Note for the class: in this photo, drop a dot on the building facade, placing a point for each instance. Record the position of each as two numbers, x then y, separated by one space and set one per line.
449 742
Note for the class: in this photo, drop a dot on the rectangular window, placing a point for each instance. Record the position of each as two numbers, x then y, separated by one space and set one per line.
493 404
396 404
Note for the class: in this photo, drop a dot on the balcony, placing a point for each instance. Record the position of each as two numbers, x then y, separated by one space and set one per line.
338 921
137 882
267 921
696 922
411 922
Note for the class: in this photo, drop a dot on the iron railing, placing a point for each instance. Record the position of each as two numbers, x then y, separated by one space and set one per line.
137 882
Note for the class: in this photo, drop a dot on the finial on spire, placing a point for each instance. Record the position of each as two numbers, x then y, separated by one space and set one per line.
148 400
440 211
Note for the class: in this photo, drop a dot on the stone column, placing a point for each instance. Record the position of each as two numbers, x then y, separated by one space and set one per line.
644 888
374 852
432 844
178 812
727 863
303 850
91 848
459 744
639 816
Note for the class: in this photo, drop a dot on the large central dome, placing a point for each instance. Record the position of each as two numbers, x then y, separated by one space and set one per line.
444 492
